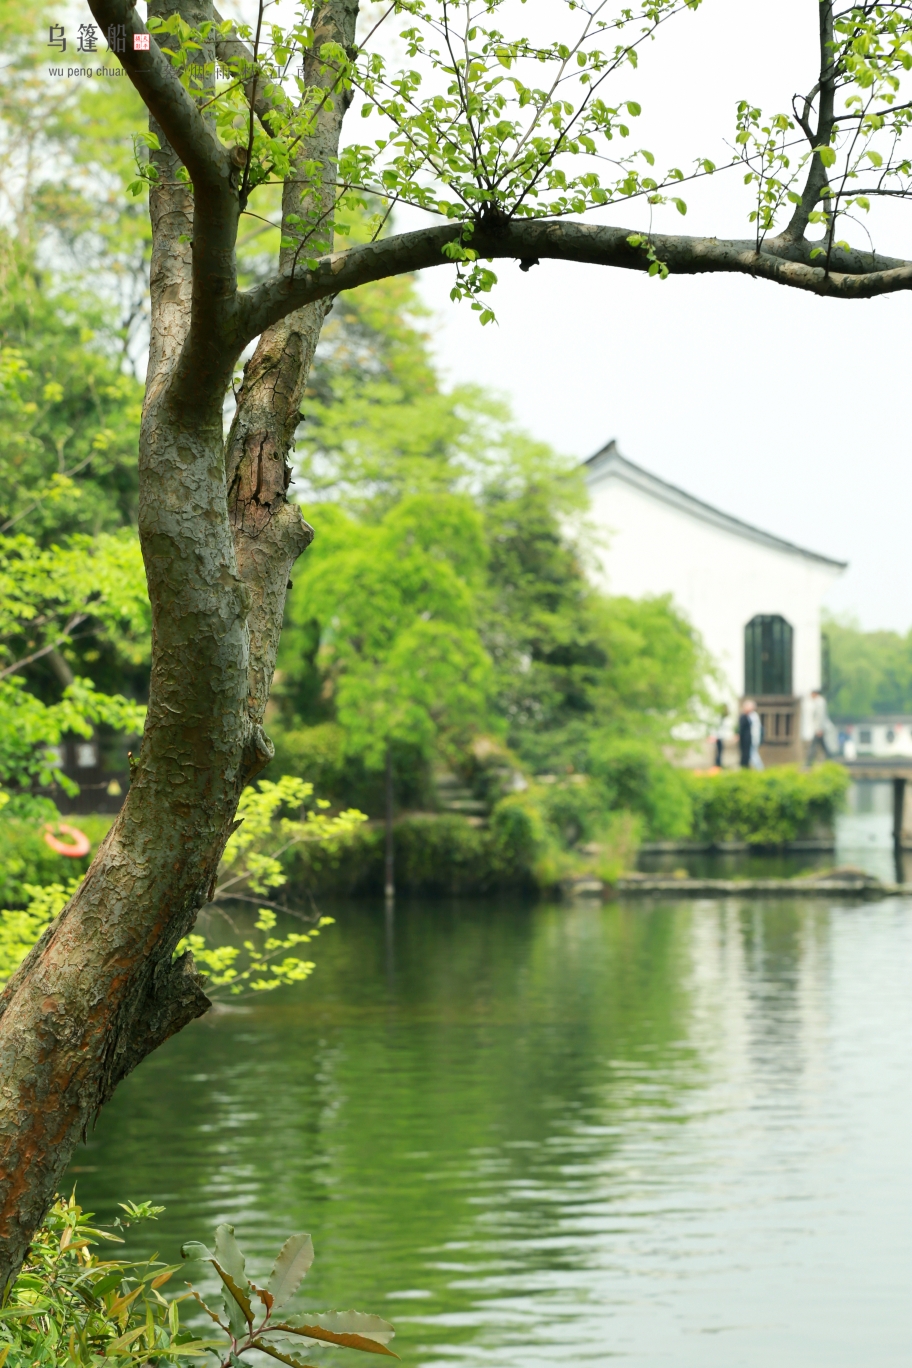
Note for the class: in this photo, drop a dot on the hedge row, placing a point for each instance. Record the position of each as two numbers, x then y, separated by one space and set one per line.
767 807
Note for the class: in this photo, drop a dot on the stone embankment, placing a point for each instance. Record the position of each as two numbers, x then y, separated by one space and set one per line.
848 880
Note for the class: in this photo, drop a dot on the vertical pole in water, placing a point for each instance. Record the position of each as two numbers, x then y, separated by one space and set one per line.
899 803
389 888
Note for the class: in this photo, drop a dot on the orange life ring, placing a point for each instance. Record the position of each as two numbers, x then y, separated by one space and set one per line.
81 843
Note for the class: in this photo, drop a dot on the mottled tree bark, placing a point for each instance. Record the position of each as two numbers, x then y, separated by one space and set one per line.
269 532
101 989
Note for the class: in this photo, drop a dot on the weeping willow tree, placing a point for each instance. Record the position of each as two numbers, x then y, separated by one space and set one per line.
507 143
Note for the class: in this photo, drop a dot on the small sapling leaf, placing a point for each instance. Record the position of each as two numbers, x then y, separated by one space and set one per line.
271 1350
291 1266
352 1329
229 1257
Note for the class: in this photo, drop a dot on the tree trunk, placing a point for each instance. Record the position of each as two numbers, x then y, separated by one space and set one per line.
102 989
389 883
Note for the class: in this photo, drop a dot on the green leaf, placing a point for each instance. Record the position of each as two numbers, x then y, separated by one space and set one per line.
229 1257
124 1341
237 1308
827 155
107 1284
236 1301
277 1354
228 1262
291 1266
213 1315
353 1329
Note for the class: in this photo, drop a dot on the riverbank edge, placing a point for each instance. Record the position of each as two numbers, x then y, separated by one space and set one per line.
636 885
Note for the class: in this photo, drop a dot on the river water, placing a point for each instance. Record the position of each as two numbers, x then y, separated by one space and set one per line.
659 1133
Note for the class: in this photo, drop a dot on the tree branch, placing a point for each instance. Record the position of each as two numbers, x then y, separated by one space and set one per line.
207 161
207 352
853 274
269 531
74 621
817 179
229 49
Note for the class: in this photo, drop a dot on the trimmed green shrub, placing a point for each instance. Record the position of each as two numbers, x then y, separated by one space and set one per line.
575 809
766 807
638 778
449 854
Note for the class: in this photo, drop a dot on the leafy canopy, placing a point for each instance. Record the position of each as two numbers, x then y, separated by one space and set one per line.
30 729
87 587
399 648
474 121
274 818
869 672
49 598
69 414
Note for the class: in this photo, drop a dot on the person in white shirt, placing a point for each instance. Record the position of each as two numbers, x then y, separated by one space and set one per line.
756 727
718 738
817 724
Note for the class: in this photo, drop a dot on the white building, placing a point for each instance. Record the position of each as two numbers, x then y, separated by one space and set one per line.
755 599
885 737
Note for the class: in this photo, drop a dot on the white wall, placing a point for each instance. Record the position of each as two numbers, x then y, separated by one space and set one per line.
718 578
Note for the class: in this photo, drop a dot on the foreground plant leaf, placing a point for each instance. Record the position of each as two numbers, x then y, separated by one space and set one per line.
293 1262
277 1354
229 1258
228 1262
352 1329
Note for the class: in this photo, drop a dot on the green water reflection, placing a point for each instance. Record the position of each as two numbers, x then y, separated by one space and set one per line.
527 1134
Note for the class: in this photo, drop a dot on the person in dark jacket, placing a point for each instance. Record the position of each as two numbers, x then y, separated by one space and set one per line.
745 732
719 739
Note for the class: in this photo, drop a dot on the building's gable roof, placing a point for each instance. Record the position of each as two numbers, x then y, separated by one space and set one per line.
609 463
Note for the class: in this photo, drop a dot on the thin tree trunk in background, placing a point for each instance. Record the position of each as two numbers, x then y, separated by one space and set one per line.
389 887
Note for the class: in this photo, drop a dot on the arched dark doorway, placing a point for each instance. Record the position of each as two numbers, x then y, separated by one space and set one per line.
768 656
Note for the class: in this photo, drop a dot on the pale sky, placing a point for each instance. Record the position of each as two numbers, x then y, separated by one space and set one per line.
783 409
